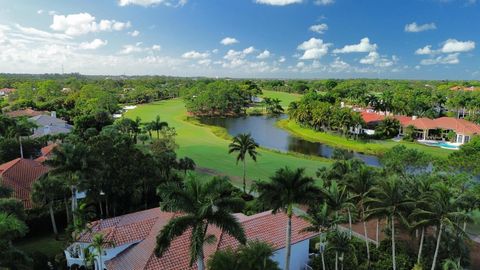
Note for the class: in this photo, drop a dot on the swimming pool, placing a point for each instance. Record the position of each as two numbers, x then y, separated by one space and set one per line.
445 145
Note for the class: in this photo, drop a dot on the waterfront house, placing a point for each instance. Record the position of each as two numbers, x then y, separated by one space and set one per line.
133 238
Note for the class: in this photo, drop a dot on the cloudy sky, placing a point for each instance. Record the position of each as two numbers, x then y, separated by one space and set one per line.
424 39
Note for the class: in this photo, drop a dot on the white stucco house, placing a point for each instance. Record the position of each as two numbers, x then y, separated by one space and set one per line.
49 125
134 238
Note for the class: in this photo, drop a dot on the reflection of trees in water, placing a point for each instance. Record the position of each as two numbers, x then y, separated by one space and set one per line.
304 147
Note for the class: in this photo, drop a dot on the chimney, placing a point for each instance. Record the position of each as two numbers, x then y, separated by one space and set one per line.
414 117
53 114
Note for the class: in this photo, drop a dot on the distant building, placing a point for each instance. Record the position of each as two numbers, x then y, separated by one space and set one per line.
19 175
28 112
6 91
464 88
50 125
46 152
134 239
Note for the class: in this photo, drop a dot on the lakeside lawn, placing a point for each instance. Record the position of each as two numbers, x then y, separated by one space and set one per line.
374 148
211 151
286 98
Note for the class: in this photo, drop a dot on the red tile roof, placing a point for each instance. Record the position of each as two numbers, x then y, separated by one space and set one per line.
422 123
461 126
143 227
19 175
371 117
46 152
26 112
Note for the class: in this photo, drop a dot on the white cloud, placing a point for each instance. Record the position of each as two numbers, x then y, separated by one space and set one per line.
249 50
264 55
40 11
324 2
454 46
148 3
375 59
228 41
339 65
93 45
36 33
415 28
319 28
425 50
134 33
278 2
84 23
363 46
156 47
313 49
282 59
129 48
450 59
195 55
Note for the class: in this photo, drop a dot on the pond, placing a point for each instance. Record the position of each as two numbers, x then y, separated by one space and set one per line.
268 135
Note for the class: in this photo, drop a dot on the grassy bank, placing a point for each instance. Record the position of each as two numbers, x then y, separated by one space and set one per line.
371 147
202 144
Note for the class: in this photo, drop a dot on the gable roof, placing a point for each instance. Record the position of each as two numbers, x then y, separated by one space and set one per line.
422 123
458 125
47 120
19 175
141 229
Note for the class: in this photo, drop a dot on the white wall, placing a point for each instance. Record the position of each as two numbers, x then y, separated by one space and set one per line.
299 256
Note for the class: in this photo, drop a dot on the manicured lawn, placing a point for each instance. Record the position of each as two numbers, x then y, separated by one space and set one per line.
45 244
286 98
211 151
375 148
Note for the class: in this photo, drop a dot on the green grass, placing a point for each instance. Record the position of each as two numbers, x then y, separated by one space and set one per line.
286 98
372 147
45 244
211 151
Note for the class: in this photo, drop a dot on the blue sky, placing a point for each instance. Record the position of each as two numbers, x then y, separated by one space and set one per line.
414 39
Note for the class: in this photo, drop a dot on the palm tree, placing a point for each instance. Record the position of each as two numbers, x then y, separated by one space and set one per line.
337 197
361 184
186 164
441 208
244 144
287 188
255 255
321 221
158 125
22 127
340 242
389 200
44 192
97 245
450 264
73 162
203 204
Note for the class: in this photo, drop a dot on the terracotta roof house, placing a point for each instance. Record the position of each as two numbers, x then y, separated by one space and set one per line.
19 175
134 238
49 125
46 152
28 112
6 91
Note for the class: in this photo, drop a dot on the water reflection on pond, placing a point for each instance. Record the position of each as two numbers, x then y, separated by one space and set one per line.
268 135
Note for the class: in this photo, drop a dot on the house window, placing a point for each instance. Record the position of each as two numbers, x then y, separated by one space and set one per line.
467 139
460 138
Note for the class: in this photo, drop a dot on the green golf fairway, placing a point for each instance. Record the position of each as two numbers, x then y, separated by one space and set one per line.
210 151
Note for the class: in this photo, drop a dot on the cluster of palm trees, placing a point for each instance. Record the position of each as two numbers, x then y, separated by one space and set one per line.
273 106
321 115
139 130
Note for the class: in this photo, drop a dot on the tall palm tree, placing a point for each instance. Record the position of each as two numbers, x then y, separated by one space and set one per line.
360 184
287 188
97 245
244 144
341 243
158 125
441 208
22 127
44 192
73 162
389 200
337 197
321 220
186 164
202 204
